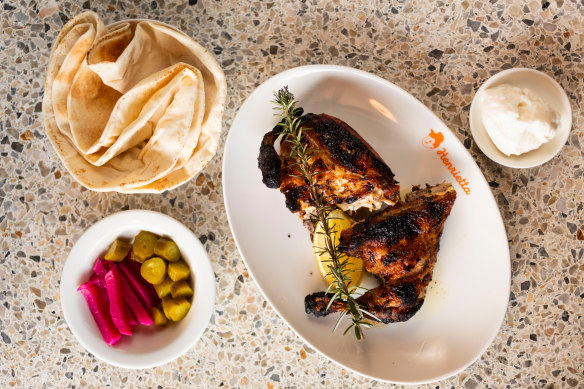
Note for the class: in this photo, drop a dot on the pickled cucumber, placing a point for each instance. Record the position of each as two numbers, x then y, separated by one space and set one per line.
153 270
158 317
163 288
167 249
175 309
178 271
133 257
144 243
117 250
181 289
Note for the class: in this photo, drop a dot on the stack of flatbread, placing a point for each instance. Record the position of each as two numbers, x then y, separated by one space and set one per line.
133 107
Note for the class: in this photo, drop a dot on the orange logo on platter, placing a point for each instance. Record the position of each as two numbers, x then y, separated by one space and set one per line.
432 141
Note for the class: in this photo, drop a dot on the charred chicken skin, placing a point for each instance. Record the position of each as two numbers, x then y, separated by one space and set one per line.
399 245
350 174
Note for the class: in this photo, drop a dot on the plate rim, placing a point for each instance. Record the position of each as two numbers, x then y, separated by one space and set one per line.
210 294
361 73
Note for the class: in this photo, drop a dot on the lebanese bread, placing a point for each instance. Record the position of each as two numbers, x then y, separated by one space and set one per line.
143 108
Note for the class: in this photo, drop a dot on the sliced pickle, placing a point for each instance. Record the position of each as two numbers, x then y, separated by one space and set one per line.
117 251
153 270
178 271
133 257
158 317
181 289
163 288
143 247
175 309
167 249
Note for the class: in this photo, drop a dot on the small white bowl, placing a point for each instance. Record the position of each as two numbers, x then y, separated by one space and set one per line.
148 346
546 88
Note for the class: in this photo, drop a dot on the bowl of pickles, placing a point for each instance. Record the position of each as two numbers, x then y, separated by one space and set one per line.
137 289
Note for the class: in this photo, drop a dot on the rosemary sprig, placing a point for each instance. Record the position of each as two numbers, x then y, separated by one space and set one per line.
290 120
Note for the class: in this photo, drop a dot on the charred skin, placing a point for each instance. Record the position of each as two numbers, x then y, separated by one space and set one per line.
399 246
403 240
349 172
347 148
388 303
269 160
316 304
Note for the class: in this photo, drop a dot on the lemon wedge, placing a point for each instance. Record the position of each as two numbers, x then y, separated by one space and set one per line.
337 221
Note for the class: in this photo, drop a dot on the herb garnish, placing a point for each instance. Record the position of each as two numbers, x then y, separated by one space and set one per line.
290 121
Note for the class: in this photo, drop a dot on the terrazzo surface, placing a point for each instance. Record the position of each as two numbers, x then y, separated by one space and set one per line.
440 52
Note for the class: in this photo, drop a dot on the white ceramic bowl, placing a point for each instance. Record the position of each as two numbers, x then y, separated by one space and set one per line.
546 88
148 346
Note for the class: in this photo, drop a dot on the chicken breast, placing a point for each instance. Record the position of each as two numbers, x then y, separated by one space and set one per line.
349 173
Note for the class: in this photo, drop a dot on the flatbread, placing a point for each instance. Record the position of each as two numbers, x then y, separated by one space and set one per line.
68 54
143 105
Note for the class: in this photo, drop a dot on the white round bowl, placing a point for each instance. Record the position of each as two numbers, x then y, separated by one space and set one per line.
148 346
546 88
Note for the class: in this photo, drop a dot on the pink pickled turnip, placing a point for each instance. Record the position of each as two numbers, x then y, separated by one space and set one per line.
97 278
142 289
101 267
117 306
134 304
155 299
132 321
99 283
137 265
100 314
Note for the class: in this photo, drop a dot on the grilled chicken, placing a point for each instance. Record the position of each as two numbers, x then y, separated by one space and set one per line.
398 245
350 174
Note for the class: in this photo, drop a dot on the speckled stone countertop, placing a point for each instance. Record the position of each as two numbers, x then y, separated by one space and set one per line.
440 52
